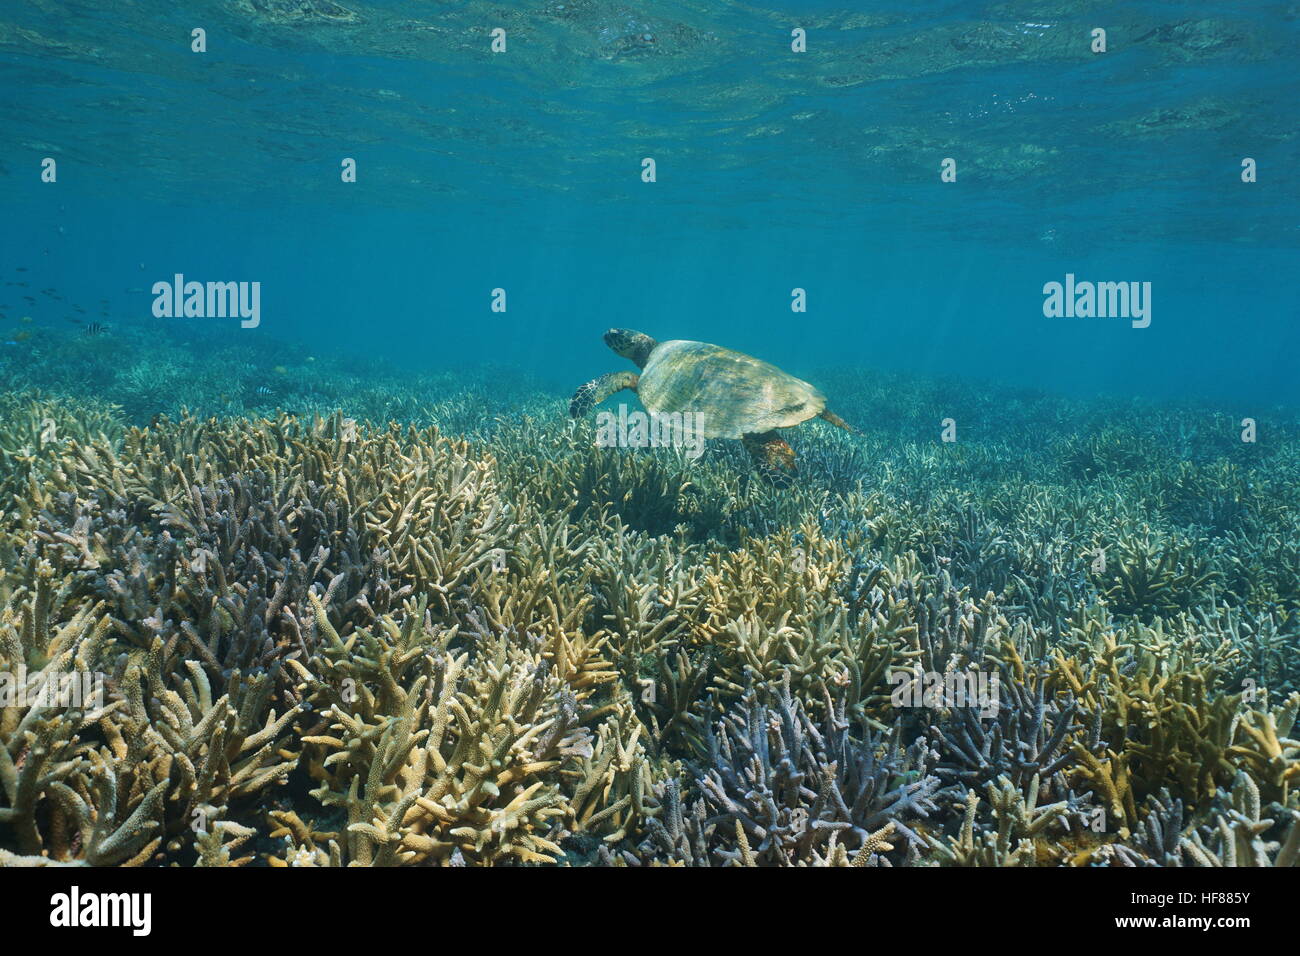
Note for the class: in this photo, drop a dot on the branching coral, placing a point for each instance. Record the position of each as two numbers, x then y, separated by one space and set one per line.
424 621
777 787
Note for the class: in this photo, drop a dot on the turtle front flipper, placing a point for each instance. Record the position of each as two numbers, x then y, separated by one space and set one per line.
773 457
597 390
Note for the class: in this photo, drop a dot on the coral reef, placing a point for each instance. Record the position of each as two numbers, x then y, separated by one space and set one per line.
363 619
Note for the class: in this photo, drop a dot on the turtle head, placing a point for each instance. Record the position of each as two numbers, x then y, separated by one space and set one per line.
636 346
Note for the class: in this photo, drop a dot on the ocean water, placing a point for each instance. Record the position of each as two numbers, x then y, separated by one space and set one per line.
775 170
880 213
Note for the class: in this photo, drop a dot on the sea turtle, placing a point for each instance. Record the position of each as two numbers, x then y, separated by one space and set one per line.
737 396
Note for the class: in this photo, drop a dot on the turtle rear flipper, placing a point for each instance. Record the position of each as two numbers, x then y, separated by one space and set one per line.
591 394
835 420
773 458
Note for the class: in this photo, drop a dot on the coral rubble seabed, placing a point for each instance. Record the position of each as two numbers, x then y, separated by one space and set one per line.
321 642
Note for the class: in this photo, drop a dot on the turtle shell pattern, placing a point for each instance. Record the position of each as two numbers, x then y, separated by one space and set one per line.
736 393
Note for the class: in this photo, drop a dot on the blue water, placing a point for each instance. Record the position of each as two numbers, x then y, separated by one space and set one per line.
775 171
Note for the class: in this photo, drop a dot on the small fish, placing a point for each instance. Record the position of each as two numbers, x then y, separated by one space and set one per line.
264 391
21 269
79 309
96 328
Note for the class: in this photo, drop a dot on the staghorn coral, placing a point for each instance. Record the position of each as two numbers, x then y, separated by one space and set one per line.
436 758
1018 822
1235 837
422 621
1150 575
1157 840
777 788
